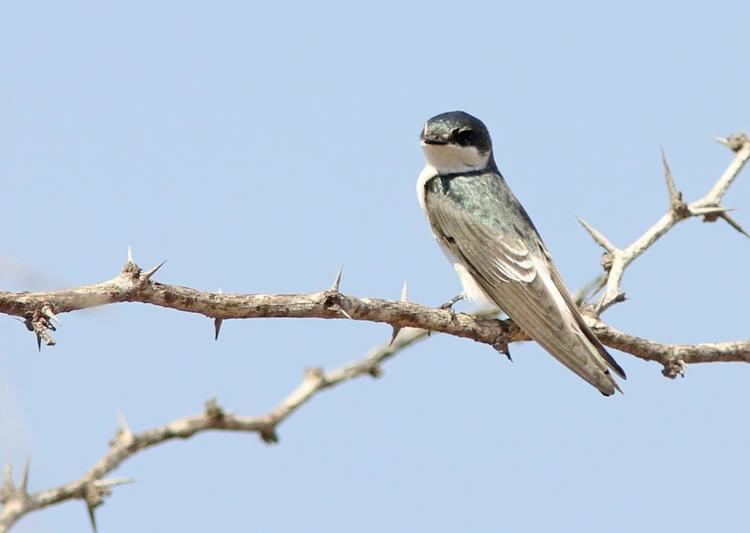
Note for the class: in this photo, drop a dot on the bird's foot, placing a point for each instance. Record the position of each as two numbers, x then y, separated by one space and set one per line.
453 301
450 303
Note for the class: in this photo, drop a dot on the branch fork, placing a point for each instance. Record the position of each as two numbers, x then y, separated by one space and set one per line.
616 260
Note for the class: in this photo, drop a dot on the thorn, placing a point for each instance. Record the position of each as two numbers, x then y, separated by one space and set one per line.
92 519
711 212
600 239
396 331
24 486
39 324
337 281
217 321
94 493
8 478
675 196
130 254
47 311
113 482
501 345
125 431
347 315
732 222
147 275
722 140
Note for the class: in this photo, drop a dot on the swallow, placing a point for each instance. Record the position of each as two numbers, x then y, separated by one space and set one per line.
496 250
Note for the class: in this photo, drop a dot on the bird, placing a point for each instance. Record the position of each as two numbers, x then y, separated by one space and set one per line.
497 251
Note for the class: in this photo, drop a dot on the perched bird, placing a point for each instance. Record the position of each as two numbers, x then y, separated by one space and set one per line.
495 248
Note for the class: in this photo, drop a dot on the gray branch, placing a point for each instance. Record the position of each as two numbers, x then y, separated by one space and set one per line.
709 207
134 285
94 486
410 322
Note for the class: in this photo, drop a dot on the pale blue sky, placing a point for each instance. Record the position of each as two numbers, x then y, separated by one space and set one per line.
258 147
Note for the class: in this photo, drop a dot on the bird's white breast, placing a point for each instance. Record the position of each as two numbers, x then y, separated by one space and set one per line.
428 172
471 288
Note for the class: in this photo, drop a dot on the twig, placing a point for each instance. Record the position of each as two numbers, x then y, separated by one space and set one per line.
673 357
709 207
92 487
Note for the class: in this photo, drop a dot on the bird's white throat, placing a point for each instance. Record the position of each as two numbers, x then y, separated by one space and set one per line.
452 158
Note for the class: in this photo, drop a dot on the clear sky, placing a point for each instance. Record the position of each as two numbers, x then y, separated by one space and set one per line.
257 147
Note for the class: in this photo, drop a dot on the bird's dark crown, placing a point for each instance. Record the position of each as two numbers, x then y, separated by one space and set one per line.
458 128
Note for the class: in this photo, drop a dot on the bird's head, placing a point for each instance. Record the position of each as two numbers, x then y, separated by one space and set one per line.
456 142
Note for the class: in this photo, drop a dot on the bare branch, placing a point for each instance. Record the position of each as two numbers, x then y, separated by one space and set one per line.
131 286
673 356
93 486
740 145
410 322
709 206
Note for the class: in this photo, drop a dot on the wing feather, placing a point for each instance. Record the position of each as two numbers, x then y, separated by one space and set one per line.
524 283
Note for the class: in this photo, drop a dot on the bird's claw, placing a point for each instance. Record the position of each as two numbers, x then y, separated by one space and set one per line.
453 301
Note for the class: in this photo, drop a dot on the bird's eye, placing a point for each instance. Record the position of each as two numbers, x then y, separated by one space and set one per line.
464 136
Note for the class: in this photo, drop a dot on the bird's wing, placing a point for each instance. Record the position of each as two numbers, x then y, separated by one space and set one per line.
522 283
557 279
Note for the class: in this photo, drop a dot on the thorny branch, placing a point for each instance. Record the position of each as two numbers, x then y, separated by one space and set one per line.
616 260
410 322
134 285
93 486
